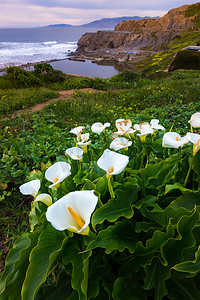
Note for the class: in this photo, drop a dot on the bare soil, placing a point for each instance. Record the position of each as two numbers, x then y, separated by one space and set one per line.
40 106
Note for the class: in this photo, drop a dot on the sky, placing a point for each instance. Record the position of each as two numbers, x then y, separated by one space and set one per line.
36 13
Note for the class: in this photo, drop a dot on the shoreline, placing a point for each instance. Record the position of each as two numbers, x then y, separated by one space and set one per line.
120 60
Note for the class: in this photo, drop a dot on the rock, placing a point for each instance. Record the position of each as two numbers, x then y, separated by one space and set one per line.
137 34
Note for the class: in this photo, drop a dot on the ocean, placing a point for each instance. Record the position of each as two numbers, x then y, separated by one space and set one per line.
33 45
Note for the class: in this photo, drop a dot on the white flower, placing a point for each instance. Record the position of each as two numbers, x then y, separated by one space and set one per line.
144 131
123 126
75 153
120 143
84 139
99 127
30 188
141 126
154 125
57 172
195 120
173 140
73 211
45 198
77 130
194 138
113 163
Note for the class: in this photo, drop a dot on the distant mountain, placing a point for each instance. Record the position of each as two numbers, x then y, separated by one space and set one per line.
58 26
111 22
108 23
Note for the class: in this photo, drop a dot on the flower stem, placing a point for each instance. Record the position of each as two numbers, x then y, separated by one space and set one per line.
188 173
110 188
92 235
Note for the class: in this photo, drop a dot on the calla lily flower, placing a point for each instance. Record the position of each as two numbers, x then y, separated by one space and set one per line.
83 143
113 163
144 131
154 125
45 198
99 127
173 140
84 139
57 173
73 211
141 126
124 128
194 138
120 143
195 120
77 130
123 125
30 188
75 153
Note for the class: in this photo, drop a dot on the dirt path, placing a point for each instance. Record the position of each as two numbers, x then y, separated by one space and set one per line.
40 106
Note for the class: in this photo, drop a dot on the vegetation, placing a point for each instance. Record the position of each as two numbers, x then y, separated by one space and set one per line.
186 59
162 59
144 233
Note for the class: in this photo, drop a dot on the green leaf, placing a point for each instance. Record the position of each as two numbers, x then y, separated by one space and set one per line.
189 200
72 254
102 185
117 237
157 274
115 208
189 266
173 250
42 259
16 265
127 289
61 290
184 289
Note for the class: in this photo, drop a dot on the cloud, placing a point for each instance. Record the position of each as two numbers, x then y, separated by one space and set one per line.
34 13
111 4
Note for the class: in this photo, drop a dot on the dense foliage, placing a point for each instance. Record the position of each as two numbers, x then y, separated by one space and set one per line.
144 233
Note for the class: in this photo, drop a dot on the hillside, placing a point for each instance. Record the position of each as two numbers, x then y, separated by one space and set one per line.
144 33
105 23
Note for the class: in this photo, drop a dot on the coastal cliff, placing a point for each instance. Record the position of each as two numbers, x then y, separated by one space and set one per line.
144 33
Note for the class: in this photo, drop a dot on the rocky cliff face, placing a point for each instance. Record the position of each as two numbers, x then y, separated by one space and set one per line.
142 33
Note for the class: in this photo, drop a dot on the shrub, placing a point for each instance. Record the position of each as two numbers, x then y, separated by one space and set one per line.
22 78
186 59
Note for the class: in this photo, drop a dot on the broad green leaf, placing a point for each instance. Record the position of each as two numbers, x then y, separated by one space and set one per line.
173 250
185 289
153 244
16 265
72 254
190 266
127 289
116 208
188 200
146 226
148 201
162 217
176 186
102 185
117 237
89 185
61 290
99 269
42 259
158 174
157 274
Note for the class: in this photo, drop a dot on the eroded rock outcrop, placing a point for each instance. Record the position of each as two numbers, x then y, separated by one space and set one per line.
142 33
